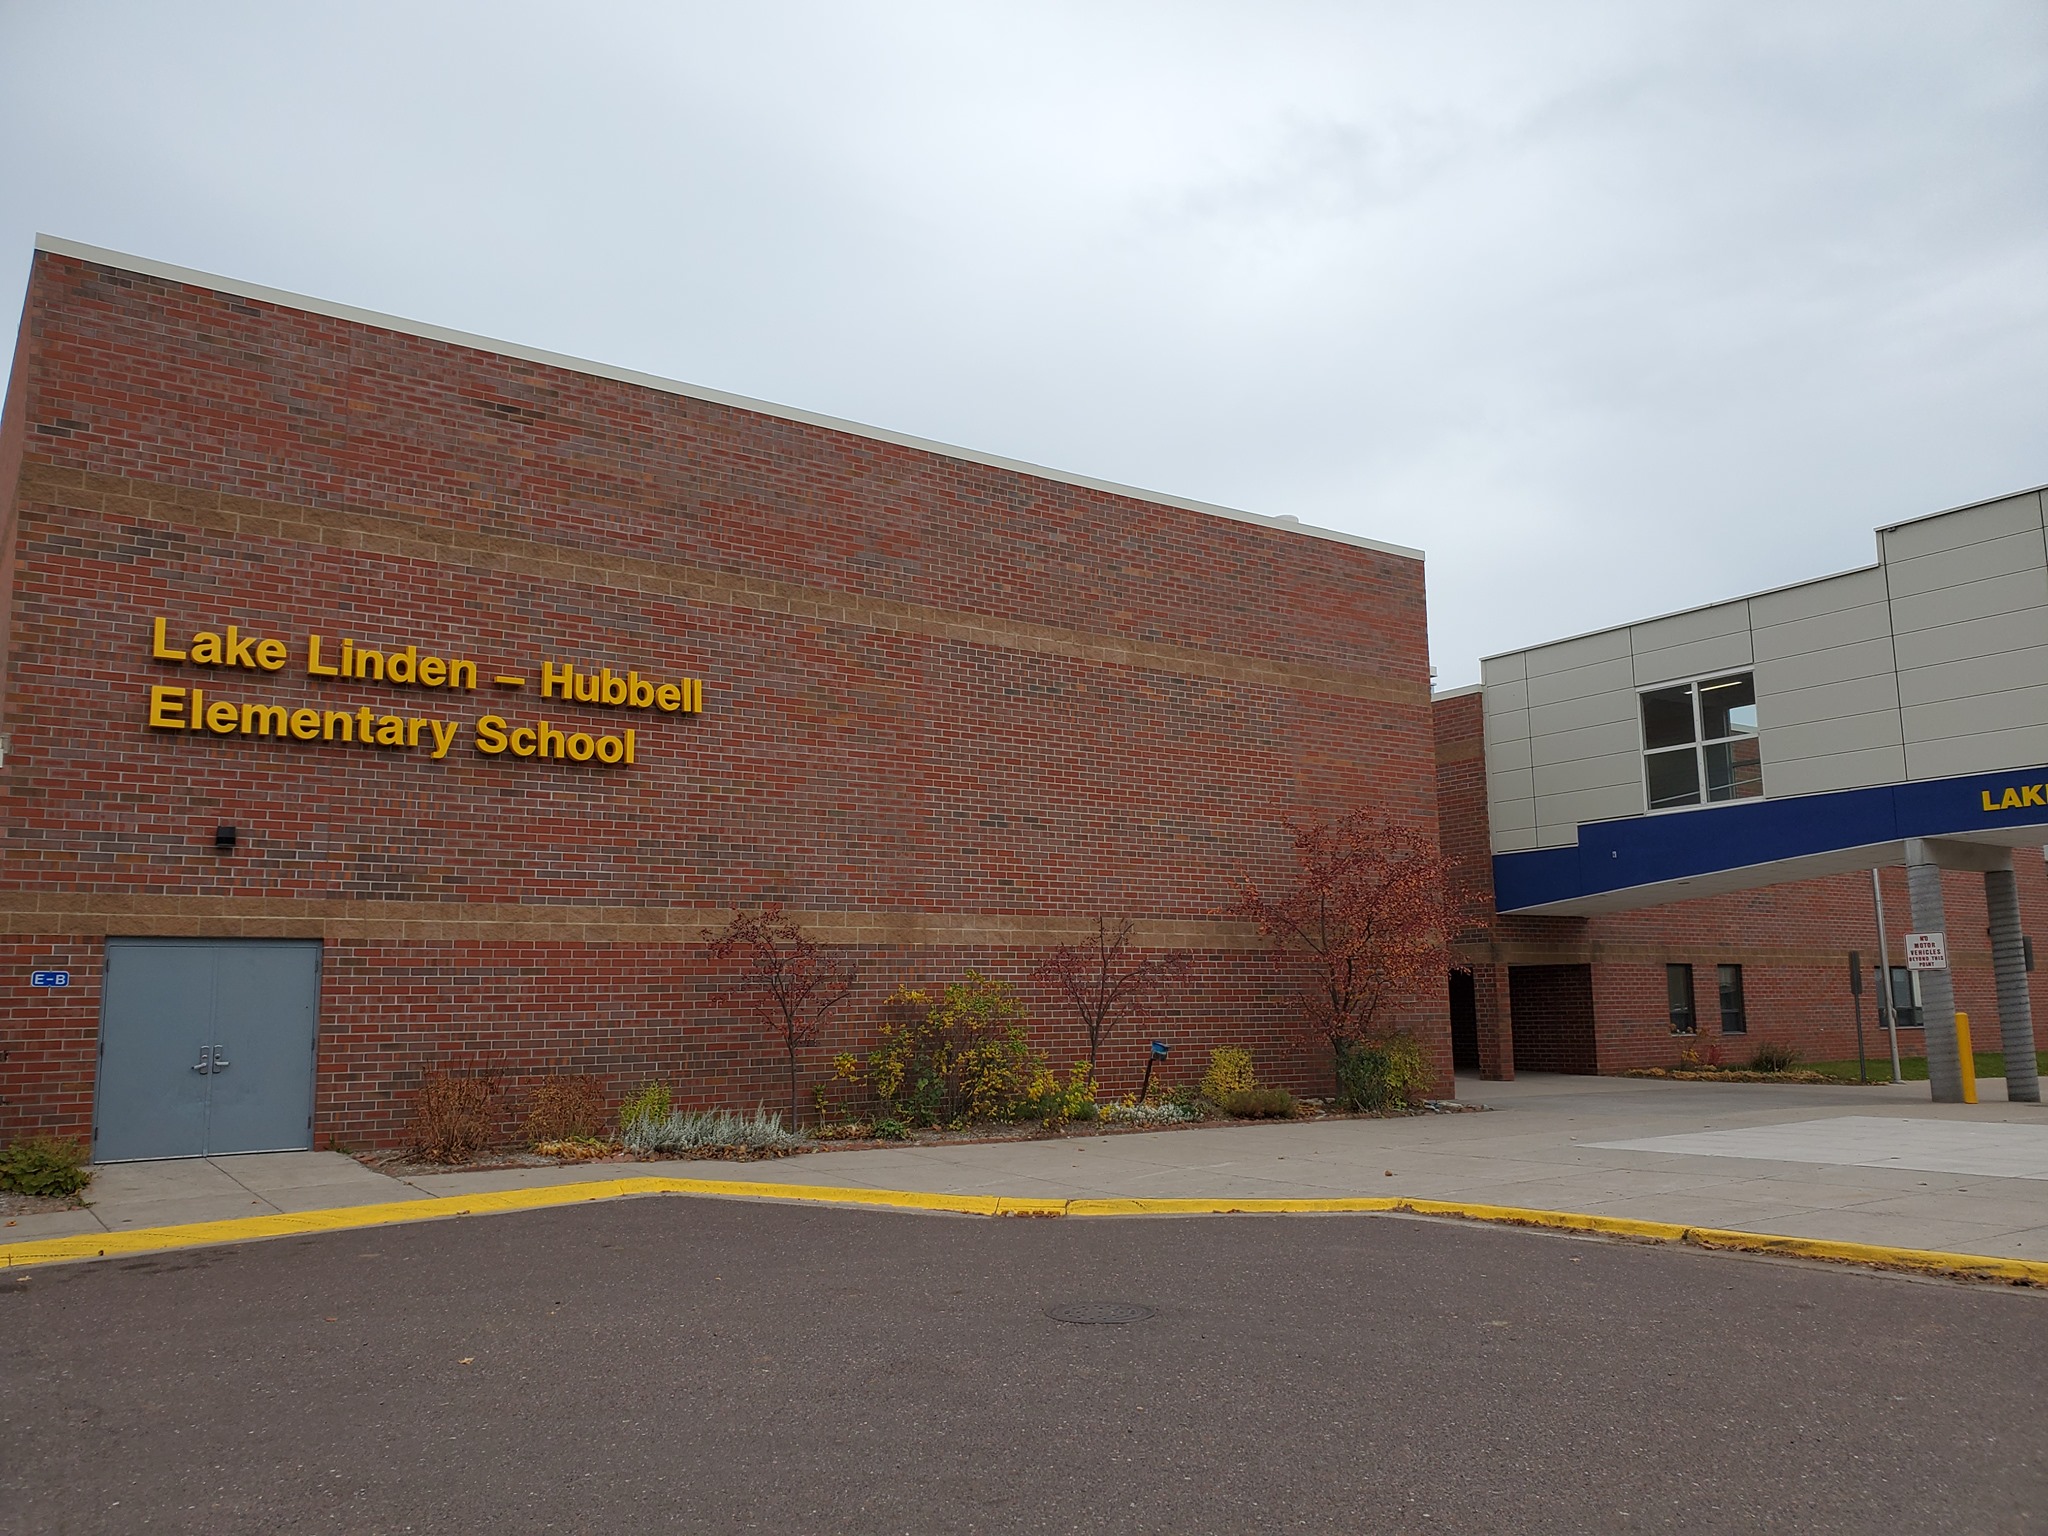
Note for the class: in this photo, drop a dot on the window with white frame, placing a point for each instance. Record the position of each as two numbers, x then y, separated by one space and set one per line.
1700 742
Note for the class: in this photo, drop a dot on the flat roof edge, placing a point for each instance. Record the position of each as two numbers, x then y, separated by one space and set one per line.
1968 506
1790 586
143 265
1679 613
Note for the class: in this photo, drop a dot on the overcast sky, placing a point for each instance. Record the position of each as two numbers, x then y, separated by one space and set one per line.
1612 309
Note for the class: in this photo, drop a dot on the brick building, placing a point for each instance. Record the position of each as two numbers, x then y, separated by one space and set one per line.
1664 833
442 693
1593 993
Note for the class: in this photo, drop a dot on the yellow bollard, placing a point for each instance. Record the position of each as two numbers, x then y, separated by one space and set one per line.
1968 1058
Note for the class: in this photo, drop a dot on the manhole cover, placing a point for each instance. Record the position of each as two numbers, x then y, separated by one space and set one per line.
1100 1312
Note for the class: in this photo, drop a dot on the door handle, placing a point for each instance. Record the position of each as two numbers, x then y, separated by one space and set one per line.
220 1062
205 1061
210 1060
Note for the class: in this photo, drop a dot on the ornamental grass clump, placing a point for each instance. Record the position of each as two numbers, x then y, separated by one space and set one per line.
714 1133
1258 1104
1157 1112
1773 1056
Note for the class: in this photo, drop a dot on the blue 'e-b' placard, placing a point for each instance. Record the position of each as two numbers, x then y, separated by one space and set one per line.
49 978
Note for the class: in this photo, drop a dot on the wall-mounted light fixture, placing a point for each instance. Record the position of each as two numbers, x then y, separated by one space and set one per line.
223 839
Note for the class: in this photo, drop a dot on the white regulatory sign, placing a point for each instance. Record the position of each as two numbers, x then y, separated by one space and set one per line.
1926 951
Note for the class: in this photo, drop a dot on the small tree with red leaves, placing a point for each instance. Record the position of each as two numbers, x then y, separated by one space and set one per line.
796 983
1365 910
1105 978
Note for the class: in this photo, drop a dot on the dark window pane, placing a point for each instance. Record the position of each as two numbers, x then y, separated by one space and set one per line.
1735 770
1734 1019
1903 1005
1678 986
1667 717
1728 707
1674 778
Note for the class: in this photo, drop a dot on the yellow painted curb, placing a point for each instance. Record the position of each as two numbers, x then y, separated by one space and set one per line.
345 1218
1921 1260
107 1245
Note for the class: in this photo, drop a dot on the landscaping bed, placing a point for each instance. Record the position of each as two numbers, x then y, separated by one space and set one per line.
956 1064
1769 1062
1912 1069
859 1136
1879 1073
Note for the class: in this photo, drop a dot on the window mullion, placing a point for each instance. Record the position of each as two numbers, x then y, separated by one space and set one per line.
1699 734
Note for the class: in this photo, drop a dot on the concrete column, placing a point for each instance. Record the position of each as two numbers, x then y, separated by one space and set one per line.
1937 989
2015 1008
1496 1030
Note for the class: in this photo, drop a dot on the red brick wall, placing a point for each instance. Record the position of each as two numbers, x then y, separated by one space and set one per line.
1551 1008
1792 941
952 711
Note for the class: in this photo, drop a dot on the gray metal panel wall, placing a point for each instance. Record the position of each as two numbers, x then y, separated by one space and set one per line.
1969 605
1932 663
1827 697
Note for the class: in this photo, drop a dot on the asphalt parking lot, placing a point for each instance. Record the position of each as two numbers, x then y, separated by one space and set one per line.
685 1364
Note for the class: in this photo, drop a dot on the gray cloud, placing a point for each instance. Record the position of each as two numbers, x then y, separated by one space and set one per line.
1611 308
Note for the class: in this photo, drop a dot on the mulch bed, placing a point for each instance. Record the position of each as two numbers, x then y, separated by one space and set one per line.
39 1205
1738 1075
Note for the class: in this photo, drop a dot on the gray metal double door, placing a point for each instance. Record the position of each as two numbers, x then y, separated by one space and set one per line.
206 1048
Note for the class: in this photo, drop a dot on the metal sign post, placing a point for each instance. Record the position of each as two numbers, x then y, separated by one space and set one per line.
1159 1049
1886 1001
1856 996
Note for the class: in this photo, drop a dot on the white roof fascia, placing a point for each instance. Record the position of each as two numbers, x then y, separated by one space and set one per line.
284 300
1790 586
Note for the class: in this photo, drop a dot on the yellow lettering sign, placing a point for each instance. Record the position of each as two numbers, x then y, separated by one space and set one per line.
182 709
2015 797
166 707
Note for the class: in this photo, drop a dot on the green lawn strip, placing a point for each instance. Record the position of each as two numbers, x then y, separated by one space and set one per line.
1912 1068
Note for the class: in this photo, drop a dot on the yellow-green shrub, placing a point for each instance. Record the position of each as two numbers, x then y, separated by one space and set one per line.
1056 1103
650 1102
947 1061
1230 1071
1376 1075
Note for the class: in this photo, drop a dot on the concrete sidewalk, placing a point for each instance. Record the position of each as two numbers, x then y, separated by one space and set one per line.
1876 1165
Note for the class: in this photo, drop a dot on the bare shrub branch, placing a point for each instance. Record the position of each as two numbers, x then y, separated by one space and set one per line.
795 983
1105 980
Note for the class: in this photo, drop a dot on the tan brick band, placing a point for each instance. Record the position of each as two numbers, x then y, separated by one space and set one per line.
78 916
416 538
